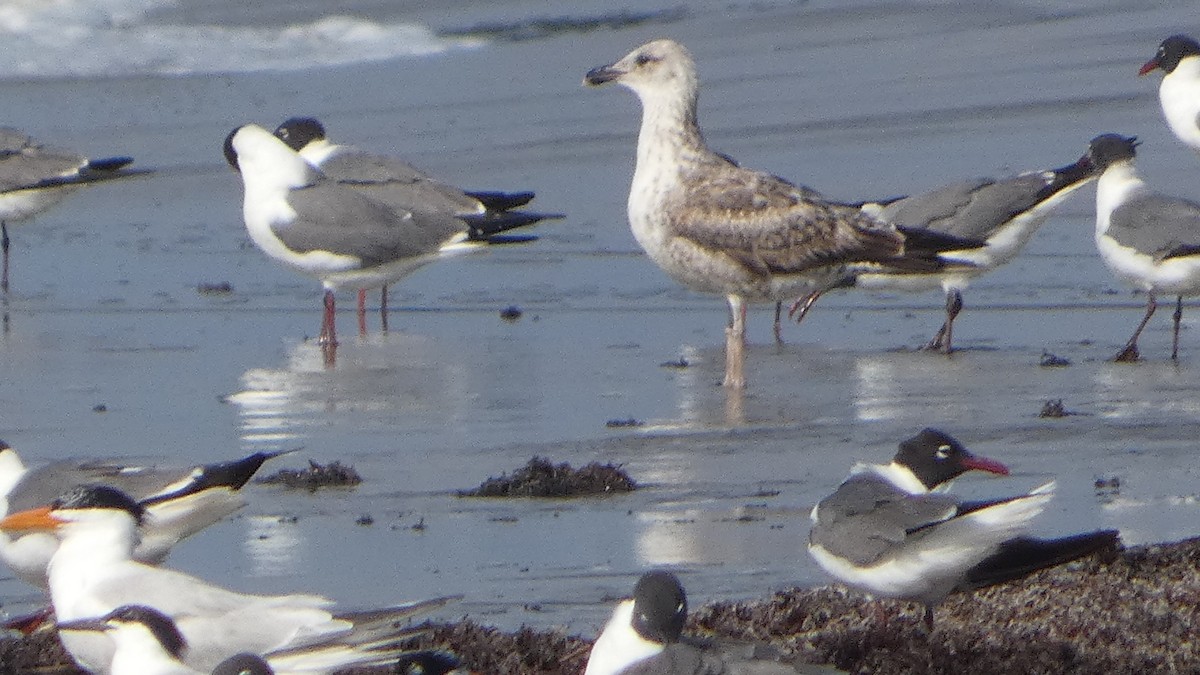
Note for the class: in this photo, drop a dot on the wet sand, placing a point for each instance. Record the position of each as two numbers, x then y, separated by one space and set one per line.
107 310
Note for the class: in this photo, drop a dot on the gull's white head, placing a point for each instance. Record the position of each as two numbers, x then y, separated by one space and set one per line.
658 70
264 160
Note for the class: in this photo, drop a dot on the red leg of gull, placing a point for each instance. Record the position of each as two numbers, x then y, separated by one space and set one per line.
4 245
1178 316
943 340
1130 353
735 344
362 312
383 309
328 336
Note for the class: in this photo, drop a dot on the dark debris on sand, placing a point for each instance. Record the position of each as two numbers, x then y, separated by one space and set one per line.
1135 611
542 478
333 474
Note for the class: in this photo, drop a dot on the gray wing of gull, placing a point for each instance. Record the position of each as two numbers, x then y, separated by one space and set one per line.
1157 225
396 182
41 485
24 163
971 209
867 517
331 217
771 226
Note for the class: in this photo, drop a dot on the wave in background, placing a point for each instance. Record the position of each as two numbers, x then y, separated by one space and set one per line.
89 38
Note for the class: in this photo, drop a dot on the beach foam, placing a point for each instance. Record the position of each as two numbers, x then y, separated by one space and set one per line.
87 38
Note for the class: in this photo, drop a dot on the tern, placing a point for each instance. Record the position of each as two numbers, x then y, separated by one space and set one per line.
148 642
179 502
93 573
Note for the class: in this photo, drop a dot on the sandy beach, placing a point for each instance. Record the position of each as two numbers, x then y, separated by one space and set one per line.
110 349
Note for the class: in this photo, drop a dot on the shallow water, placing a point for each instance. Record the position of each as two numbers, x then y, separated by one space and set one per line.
861 102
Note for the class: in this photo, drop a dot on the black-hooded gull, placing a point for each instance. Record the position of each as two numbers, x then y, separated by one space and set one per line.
1002 213
1179 92
1148 240
886 531
322 228
401 185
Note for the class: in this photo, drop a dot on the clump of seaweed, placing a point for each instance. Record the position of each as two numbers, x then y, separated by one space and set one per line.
542 478
316 476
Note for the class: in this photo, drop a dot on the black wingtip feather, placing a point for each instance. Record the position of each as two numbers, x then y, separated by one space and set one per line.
109 163
501 201
1022 556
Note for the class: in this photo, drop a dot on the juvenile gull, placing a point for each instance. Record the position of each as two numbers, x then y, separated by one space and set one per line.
1148 240
1179 92
644 637
886 531
1002 213
319 227
93 573
179 502
718 228
34 177
401 185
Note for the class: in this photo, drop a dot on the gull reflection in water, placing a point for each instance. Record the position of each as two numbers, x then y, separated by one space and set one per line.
375 378
898 385
274 545
1146 390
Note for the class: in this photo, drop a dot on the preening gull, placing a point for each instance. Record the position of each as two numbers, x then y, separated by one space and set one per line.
718 228
401 185
339 235
1149 240
34 177
1002 213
